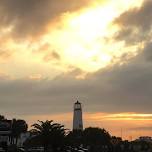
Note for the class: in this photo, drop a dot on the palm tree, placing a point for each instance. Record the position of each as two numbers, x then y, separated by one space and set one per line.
50 134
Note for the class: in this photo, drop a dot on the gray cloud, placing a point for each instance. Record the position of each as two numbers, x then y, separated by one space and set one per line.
30 17
135 24
138 17
148 51
125 88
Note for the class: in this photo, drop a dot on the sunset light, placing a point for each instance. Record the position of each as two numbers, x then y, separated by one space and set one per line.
85 36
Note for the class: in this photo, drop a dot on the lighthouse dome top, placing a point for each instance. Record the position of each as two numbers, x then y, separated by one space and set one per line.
77 102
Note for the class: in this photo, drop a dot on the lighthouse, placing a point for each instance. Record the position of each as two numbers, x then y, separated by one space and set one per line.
77 117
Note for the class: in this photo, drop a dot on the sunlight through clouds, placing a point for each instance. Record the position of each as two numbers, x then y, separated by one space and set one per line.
81 39
82 36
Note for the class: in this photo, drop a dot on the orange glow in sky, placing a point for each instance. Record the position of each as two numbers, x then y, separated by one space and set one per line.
129 125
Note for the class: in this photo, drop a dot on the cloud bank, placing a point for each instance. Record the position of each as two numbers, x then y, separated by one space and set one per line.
30 18
116 88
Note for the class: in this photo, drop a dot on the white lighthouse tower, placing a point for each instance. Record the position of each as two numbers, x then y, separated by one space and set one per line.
77 117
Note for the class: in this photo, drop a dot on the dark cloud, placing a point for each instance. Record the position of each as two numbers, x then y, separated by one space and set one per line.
147 53
135 24
131 36
125 88
30 17
138 17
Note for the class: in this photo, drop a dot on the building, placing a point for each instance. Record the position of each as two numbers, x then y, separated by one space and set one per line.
145 138
5 131
23 137
77 116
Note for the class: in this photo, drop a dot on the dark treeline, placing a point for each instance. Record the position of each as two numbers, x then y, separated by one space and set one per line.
53 137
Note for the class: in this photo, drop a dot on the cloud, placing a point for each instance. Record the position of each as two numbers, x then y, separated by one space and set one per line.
4 76
48 53
30 18
138 17
52 56
149 128
128 116
147 53
128 86
35 77
5 54
135 24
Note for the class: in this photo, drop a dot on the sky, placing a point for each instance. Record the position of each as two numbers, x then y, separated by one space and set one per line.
55 52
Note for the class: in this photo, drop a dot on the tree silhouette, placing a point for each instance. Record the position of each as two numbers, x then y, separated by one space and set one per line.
2 117
51 134
74 138
18 127
96 138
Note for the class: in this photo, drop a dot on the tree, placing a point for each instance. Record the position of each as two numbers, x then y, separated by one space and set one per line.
2 117
96 138
50 134
74 138
18 126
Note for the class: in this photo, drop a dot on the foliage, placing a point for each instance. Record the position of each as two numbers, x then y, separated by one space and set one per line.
96 136
18 126
2 117
50 134
74 138
116 140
